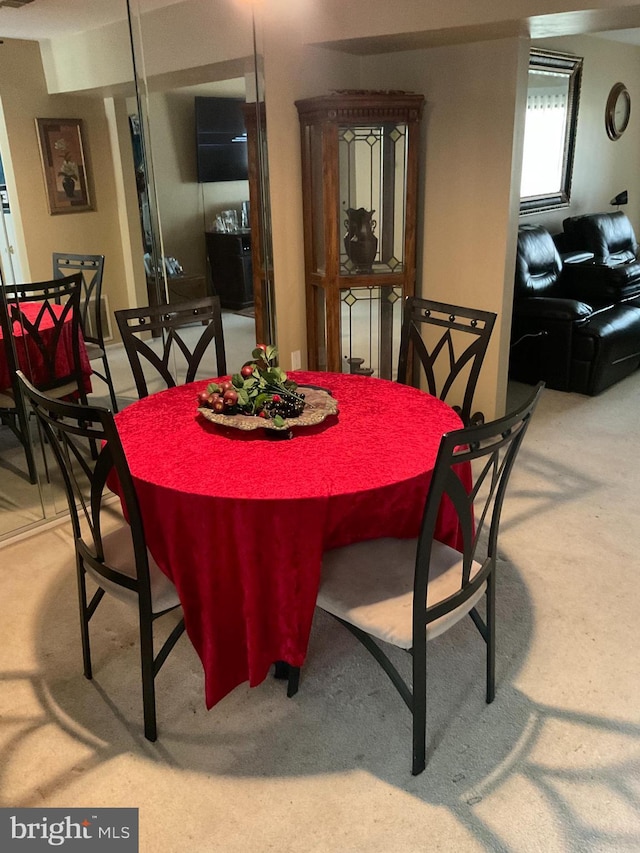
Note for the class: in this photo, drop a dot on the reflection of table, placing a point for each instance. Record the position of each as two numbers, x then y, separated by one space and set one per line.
240 521
30 358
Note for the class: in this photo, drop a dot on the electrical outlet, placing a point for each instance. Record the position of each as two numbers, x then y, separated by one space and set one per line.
296 361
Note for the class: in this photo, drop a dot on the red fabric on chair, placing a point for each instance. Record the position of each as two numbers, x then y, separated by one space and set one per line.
240 521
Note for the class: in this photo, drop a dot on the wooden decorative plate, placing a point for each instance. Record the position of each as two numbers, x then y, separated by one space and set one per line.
319 405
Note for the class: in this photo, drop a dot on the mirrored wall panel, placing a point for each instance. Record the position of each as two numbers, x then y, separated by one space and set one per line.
133 163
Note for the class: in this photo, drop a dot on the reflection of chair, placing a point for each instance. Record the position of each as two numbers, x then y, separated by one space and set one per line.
92 268
455 344
12 409
48 347
407 591
117 561
172 321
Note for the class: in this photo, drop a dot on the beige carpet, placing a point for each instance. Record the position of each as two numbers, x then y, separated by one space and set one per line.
552 765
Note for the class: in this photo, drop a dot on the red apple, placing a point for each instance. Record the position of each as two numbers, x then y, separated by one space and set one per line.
203 398
247 371
230 397
218 406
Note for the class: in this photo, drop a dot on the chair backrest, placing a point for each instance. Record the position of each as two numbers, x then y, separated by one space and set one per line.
491 450
449 343
11 402
70 430
538 263
610 236
91 268
176 323
49 313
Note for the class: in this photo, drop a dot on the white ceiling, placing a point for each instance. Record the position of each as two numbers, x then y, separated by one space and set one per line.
629 36
43 19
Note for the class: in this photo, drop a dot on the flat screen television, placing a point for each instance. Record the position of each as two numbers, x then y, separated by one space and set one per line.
221 140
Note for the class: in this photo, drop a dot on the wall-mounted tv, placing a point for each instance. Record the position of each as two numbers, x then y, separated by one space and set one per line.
221 140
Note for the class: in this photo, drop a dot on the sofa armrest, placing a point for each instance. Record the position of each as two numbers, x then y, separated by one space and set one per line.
551 308
577 257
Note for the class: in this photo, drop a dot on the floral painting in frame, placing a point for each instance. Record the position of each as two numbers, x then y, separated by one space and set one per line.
63 164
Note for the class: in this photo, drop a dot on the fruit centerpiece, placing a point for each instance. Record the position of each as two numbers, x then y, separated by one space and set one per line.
262 395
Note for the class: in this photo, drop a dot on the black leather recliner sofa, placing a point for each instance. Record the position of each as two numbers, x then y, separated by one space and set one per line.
567 339
613 274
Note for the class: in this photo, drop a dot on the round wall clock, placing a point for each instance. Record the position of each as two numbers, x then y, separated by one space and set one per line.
618 111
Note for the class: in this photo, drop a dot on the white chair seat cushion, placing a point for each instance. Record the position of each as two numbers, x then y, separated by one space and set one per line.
94 351
6 399
370 585
118 554
62 391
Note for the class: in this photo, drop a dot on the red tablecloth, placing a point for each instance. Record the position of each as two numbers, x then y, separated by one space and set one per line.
240 521
30 358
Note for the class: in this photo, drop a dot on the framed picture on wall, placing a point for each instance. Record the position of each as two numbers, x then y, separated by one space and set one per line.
63 164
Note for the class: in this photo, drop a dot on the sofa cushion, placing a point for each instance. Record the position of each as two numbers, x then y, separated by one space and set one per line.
602 284
610 236
538 264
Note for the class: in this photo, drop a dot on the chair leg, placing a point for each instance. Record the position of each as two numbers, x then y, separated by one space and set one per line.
84 620
23 428
419 709
148 680
491 638
293 681
283 671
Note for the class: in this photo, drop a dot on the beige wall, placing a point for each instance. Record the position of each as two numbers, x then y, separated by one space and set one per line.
466 230
24 97
293 71
602 168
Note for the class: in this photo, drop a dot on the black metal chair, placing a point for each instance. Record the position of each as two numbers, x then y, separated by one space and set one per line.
172 321
449 343
13 412
48 328
406 592
92 269
117 561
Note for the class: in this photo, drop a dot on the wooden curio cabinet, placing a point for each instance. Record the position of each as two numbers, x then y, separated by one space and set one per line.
359 181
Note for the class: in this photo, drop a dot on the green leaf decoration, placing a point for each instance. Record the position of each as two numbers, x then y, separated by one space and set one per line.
260 400
243 397
256 391
272 376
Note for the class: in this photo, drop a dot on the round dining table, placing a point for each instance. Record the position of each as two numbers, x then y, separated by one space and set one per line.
240 520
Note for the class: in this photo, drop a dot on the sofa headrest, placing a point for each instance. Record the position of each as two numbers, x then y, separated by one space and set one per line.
609 236
538 264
